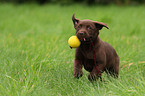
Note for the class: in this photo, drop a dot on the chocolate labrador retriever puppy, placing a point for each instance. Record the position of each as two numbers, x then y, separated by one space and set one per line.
93 54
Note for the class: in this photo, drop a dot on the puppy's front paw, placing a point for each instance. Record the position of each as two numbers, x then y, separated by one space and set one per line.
78 74
92 77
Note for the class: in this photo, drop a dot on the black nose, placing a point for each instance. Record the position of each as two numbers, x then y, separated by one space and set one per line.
81 33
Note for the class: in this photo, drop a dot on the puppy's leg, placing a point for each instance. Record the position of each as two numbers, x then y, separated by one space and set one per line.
94 74
114 70
78 69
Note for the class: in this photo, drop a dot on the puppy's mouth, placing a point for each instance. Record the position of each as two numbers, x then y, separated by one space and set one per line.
85 39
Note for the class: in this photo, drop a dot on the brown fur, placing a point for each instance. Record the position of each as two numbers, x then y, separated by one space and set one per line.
106 57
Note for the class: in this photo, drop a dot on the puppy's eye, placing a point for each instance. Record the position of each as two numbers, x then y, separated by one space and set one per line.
89 27
79 26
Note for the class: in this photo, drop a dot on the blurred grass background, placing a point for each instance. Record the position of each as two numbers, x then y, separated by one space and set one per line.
35 58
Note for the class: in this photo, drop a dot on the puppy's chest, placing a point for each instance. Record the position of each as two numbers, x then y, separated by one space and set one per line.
88 54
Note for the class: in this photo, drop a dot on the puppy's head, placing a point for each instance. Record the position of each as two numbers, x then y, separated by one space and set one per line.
87 29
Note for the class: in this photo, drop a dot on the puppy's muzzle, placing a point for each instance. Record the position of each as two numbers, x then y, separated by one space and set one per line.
82 35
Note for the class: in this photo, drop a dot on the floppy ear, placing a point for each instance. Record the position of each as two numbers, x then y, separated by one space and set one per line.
100 25
75 21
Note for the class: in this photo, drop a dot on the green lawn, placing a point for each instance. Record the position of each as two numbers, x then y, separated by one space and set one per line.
35 59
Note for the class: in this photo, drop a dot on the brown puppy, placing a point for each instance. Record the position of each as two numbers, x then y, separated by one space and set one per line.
105 56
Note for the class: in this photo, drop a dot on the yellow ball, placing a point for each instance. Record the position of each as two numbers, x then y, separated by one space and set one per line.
74 42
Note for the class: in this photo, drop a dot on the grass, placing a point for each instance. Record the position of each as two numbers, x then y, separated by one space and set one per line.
35 58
